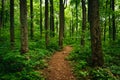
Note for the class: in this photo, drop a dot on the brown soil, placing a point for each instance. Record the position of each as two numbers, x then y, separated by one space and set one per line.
59 68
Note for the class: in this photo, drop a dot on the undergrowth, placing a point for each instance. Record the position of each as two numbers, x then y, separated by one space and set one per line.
29 66
81 61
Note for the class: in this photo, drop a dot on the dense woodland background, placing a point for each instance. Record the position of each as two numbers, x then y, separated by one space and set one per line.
32 30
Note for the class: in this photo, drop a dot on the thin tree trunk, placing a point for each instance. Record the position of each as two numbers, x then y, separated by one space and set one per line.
24 27
110 24
2 13
12 36
113 21
76 17
72 25
41 18
70 29
61 30
57 26
46 23
97 55
105 21
52 33
31 21
89 10
2 16
83 22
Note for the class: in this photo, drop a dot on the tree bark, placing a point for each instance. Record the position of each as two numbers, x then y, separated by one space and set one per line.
46 23
57 25
105 24
12 36
2 15
31 21
72 25
76 7
24 27
89 10
113 20
83 22
97 55
52 33
41 18
110 23
61 30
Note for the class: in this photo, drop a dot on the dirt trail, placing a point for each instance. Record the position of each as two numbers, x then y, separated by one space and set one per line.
59 68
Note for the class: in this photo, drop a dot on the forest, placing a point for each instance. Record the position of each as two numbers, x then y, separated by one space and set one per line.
59 39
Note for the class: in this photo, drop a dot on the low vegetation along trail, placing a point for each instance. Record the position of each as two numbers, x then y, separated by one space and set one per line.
59 68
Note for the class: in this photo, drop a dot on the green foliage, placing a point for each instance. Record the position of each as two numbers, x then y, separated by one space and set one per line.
70 41
15 66
23 75
53 45
12 62
81 61
101 74
79 58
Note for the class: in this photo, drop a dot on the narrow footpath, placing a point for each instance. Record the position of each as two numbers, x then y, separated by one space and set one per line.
59 68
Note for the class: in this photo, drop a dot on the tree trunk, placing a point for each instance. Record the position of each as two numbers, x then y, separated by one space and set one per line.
61 30
76 18
12 36
70 29
57 26
2 15
113 21
52 33
46 23
83 22
97 55
89 10
41 18
72 25
31 21
105 24
24 27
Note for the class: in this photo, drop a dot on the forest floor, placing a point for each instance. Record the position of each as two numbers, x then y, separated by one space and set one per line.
58 67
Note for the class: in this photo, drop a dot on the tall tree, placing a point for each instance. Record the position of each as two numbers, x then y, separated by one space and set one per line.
105 24
97 55
110 24
61 17
31 21
2 15
72 24
113 20
41 18
24 27
76 7
52 34
46 23
12 36
83 22
57 25
89 11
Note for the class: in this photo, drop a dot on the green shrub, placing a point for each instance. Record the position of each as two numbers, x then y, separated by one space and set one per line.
102 74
